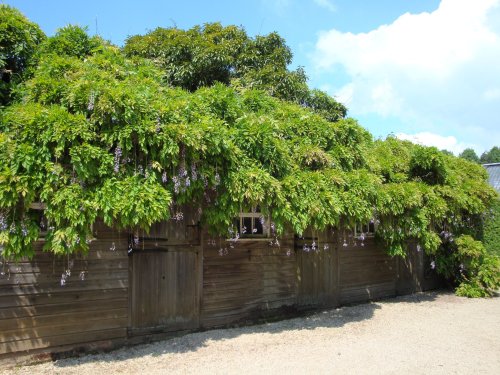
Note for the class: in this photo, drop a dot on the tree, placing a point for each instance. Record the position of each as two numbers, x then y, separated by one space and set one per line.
470 155
70 40
491 156
19 39
212 53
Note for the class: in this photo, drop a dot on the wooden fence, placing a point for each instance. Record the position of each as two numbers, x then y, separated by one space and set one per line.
186 281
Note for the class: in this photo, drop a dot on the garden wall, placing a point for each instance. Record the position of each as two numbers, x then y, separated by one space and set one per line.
37 312
183 282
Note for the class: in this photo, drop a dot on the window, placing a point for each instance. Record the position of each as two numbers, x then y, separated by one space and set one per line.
252 224
365 229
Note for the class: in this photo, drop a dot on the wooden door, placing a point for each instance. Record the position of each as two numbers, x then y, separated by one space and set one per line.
317 270
164 290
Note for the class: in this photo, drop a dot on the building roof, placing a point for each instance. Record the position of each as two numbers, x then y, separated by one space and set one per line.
494 173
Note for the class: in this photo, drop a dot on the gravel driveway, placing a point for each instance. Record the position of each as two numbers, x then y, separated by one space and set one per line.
428 333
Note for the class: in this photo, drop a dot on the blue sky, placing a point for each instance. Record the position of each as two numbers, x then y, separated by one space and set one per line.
427 70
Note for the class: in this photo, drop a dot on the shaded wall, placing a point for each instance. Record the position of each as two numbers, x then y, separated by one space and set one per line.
248 282
37 312
179 278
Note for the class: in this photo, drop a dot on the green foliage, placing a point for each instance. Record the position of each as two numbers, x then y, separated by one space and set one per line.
478 272
19 39
99 135
72 41
491 156
491 229
470 155
427 164
212 53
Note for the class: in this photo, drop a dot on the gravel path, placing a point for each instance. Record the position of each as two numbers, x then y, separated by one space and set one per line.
429 333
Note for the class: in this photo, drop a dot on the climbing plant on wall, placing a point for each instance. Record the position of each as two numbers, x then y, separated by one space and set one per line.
99 134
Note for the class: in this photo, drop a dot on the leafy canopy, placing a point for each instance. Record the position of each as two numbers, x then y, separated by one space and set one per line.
470 155
98 134
491 156
213 53
18 41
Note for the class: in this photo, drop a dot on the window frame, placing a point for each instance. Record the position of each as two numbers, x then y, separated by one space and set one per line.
253 215
359 229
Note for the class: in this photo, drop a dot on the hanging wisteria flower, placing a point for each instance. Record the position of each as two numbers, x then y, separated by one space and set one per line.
3 223
82 276
223 251
419 248
63 279
118 155
90 106
164 177
288 252
24 230
217 179
187 181
194 172
178 216
136 239
433 265
177 184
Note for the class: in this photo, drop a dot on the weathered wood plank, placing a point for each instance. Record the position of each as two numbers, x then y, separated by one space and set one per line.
164 289
8 314
39 326
60 340
61 296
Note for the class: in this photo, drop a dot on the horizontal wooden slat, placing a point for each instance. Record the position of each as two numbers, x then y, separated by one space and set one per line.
62 296
7 314
61 340
46 326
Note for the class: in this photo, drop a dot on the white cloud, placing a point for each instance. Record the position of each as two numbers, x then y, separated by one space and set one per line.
424 69
449 143
327 4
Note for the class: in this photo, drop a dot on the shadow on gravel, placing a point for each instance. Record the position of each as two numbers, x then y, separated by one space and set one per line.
327 318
